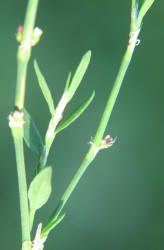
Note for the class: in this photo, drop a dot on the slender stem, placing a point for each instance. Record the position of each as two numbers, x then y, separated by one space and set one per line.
16 124
24 52
86 162
22 190
30 19
100 131
21 84
115 90
16 119
32 215
133 15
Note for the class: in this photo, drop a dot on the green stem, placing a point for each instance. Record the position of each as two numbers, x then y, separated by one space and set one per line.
24 52
30 19
16 124
115 90
16 119
100 131
32 215
133 16
87 160
21 84
22 190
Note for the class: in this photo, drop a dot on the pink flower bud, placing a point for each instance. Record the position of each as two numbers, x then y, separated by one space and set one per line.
108 138
20 29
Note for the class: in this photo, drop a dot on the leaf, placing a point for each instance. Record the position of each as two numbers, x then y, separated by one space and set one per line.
44 87
31 135
52 225
78 76
75 114
40 189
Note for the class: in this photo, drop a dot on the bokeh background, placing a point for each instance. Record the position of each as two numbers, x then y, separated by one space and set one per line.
119 204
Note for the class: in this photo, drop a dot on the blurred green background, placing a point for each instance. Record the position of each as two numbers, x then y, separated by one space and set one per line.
119 204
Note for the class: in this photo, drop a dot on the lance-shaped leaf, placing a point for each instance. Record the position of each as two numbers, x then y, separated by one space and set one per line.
31 135
45 90
78 76
40 189
52 225
145 6
75 114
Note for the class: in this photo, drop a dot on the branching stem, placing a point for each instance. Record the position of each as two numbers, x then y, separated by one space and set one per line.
95 147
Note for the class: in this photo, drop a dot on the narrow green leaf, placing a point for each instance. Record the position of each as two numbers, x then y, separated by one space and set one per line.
31 135
40 189
143 10
75 114
78 76
44 87
46 231
68 81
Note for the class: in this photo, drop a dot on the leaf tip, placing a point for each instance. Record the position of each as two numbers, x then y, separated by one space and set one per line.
88 54
93 93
